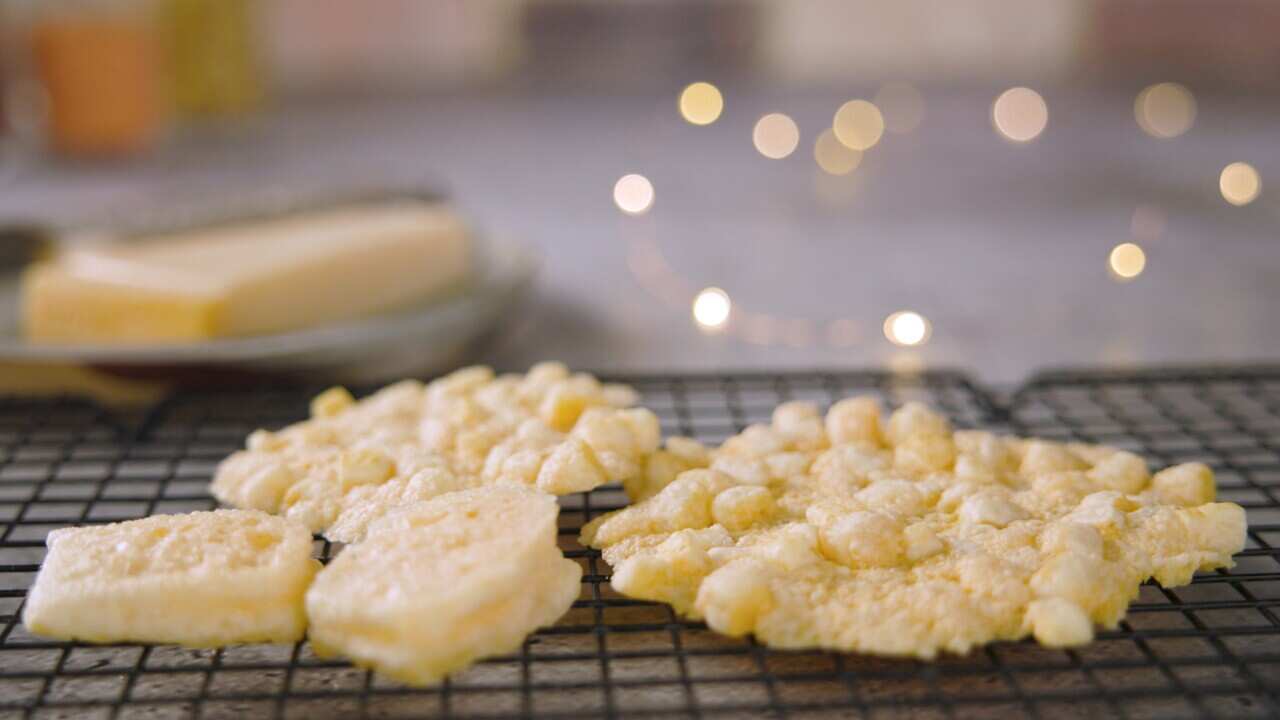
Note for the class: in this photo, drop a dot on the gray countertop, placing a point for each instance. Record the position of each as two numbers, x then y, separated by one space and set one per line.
1002 247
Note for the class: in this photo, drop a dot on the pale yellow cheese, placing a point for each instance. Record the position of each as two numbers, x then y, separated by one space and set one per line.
250 278
204 579
908 538
550 429
438 584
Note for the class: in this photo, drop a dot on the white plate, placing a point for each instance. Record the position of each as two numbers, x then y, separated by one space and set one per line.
378 348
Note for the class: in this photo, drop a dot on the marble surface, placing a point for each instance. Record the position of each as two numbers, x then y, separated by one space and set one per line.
1002 247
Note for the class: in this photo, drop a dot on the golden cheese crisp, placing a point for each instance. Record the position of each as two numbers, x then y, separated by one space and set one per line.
204 579
438 584
908 538
352 461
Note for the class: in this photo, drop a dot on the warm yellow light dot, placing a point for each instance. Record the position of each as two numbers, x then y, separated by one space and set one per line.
701 103
1127 261
633 194
776 136
906 328
833 156
711 308
858 124
1020 114
1165 110
902 106
1240 183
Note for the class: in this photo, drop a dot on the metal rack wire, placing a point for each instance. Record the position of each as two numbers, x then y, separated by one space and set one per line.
1211 649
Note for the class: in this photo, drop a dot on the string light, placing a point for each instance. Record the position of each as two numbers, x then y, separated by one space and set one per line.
906 328
858 124
1165 110
1239 183
833 156
1127 261
711 309
633 194
776 136
713 312
1020 114
701 103
902 106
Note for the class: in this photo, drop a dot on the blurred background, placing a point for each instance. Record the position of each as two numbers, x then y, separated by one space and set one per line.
987 185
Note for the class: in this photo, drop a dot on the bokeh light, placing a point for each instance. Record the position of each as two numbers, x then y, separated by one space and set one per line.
701 103
1020 114
902 106
858 124
633 194
711 308
833 156
1240 183
776 136
1127 261
1166 110
906 328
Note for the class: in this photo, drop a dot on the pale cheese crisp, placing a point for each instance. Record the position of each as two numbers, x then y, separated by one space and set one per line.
661 467
205 579
548 429
908 538
438 584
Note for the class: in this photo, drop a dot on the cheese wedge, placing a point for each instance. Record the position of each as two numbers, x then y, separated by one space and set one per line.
436 585
250 278
204 579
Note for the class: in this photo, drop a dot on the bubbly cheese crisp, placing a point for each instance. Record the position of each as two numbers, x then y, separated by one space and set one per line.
352 461
438 584
204 579
908 538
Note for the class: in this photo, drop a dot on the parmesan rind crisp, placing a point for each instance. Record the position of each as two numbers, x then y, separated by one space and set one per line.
355 460
204 579
907 538
438 584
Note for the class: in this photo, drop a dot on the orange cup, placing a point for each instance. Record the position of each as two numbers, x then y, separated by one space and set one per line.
103 81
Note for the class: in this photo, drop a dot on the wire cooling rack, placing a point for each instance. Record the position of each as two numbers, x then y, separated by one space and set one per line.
1211 649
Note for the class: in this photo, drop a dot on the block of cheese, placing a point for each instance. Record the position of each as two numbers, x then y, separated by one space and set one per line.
248 278
204 579
436 585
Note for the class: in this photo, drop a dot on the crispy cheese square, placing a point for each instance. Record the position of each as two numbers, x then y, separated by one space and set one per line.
204 579
436 585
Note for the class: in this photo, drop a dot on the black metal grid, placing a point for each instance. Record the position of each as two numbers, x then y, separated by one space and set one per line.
1206 650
